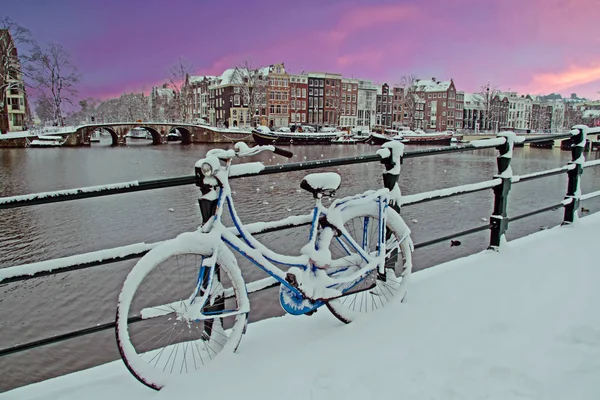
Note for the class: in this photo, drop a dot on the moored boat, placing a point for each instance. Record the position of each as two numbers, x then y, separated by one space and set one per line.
420 137
47 141
264 136
174 137
138 133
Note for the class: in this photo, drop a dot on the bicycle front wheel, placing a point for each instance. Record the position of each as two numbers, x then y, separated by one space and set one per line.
375 290
159 338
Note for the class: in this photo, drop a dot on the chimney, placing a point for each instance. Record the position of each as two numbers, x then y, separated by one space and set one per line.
433 79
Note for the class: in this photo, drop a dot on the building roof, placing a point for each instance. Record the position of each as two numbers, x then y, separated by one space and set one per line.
432 85
200 78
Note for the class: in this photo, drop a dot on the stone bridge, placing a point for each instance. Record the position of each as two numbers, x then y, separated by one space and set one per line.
190 133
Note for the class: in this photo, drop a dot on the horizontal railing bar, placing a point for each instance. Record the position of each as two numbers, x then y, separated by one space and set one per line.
92 259
253 287
548 137
418 198
542 174
61 338
455 235
590 195
592 163
135 186
538 211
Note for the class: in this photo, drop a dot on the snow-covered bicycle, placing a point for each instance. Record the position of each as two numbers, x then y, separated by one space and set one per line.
189 300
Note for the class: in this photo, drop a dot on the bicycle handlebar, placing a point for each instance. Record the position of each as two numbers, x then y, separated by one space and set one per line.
282 152
242 150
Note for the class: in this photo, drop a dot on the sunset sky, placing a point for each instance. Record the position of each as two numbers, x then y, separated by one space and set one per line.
530 46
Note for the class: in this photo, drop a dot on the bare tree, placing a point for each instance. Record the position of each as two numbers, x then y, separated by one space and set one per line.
253 83
12 36
53 75
183 95
133 107
44 109
409 103
490 114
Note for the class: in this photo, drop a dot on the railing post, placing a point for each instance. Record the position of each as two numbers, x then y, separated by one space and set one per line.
499 220
392 165
578 140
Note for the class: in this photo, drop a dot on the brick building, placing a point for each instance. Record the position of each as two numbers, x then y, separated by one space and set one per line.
278 97
440 103
332 99
384 107
197 87
298 99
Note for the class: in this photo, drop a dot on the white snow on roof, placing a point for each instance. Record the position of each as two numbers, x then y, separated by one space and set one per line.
200 78
472 99
591 113
429 85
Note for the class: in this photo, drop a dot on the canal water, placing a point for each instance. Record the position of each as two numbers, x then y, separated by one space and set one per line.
43 307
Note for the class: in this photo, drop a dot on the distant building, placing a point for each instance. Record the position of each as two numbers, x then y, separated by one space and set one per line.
440 103
332 99
520 110
198 88
278 96
473 113
366 105
384 106
349 103
298 99
15 113
316 90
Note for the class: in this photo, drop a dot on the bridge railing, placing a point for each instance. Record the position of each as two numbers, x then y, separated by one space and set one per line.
500 184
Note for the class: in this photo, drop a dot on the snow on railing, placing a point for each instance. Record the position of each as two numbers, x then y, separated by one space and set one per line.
453 191
591 163
533 175
67 192
86 260
590 195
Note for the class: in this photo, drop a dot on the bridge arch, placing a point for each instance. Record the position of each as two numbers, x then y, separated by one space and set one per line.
113 134
157 137
185 132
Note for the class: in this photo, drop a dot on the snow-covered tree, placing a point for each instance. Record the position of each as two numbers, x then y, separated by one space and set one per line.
178 74
53 75
253 82
409 103
490 114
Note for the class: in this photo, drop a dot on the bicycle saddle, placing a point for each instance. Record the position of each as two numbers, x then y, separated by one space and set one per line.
324 183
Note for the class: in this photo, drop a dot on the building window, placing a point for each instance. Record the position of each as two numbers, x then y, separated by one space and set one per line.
303 92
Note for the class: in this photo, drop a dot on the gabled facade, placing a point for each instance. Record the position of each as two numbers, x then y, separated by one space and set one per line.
440 103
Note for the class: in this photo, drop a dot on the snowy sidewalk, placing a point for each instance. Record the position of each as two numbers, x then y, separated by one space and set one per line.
520 324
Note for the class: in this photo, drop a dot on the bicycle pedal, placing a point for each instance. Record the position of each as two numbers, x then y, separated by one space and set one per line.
311 312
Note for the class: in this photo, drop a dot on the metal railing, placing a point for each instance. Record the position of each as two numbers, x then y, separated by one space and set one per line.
500 184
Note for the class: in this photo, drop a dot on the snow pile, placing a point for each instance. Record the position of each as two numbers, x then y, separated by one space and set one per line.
519 324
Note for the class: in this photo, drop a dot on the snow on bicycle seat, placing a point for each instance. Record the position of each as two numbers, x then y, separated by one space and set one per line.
322 183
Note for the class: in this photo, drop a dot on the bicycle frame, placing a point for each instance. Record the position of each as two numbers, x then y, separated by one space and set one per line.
264 258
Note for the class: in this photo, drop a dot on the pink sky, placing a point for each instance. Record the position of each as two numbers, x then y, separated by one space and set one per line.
530 46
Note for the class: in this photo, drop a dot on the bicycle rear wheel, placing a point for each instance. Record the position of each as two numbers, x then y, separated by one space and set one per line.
158 337
374 291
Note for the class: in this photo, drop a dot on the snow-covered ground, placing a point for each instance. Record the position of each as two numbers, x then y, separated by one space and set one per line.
520 324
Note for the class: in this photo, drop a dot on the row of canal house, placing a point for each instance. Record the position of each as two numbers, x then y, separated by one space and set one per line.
284 99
